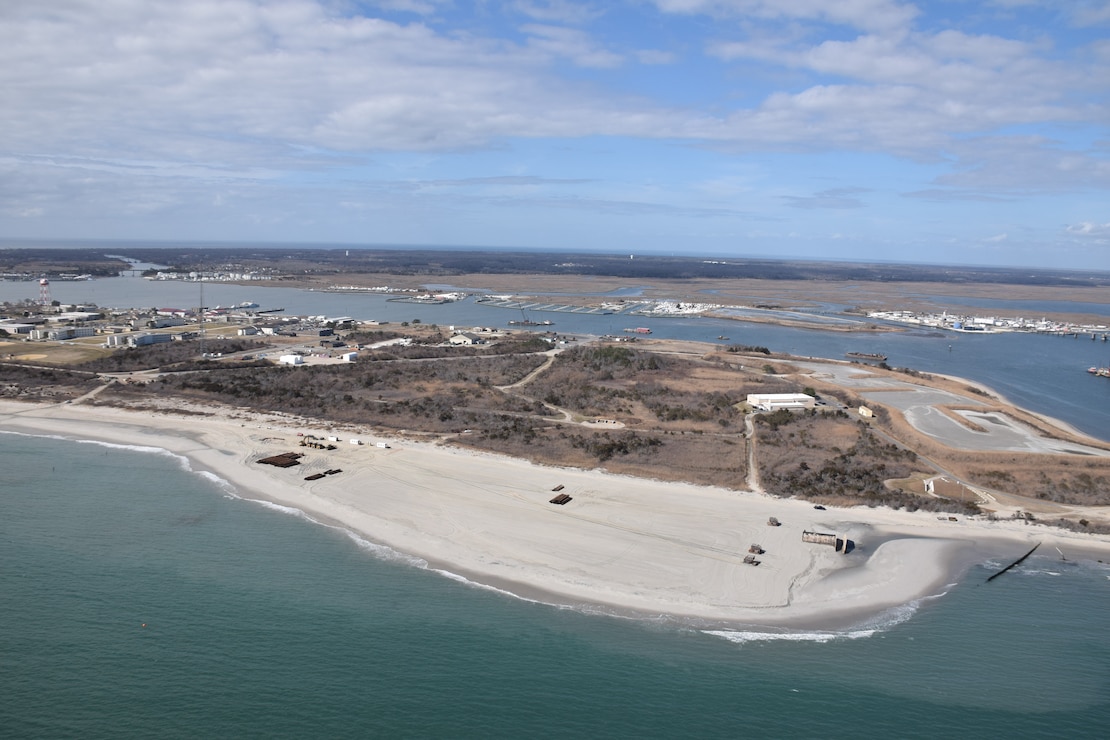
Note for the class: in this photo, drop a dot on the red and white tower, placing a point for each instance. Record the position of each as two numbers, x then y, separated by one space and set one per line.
44 292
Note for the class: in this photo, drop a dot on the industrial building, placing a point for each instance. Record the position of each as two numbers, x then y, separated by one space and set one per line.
776 401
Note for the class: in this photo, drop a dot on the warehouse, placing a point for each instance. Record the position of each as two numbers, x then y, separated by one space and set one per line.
776 401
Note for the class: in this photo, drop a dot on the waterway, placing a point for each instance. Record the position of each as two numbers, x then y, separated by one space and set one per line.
1046 374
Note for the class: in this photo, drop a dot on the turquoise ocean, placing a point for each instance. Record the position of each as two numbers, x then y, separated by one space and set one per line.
140 599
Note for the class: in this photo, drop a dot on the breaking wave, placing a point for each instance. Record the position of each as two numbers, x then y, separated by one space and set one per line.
878 624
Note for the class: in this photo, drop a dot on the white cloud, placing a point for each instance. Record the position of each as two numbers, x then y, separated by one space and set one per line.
418 7
1023 164
655 56
1078 13
863 14
952 195
556 11
836 198
1089 229
1092 14
215 79
235 79
572 44
913 91
159 106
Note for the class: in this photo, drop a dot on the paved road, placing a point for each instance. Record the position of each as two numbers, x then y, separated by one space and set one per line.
921 405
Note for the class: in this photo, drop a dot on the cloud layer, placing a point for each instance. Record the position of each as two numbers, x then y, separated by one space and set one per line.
127 106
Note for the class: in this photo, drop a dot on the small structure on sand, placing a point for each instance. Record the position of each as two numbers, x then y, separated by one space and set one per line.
842 545
773 522
561 499
284 460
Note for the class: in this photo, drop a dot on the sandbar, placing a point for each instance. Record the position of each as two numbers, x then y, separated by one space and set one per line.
622 545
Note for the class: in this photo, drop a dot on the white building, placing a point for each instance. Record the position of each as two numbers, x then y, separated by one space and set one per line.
776 401
290 360
161 322
63 333
466 338
136 339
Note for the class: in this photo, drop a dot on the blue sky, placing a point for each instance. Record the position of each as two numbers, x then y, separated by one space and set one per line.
969 132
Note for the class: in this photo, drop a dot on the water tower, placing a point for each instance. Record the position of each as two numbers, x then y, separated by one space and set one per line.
44 292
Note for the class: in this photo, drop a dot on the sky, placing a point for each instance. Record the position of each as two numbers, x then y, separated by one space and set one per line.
951 132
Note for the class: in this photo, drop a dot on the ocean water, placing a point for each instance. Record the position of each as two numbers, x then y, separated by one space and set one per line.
139 599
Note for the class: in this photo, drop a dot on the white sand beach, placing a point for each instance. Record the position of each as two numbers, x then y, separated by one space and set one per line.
623 545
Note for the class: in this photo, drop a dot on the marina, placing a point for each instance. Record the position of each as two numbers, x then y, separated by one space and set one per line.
504 302
964 323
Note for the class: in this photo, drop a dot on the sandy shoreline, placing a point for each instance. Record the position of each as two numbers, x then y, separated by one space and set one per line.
623 545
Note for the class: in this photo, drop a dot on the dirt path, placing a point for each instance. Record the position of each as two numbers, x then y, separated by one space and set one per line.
753 482
511 390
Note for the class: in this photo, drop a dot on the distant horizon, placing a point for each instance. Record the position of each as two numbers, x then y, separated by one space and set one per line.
875 130
7 243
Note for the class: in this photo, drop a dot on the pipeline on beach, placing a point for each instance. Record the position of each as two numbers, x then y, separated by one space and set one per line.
1016 562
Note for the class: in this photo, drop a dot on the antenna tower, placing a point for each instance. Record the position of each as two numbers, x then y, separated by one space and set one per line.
200 315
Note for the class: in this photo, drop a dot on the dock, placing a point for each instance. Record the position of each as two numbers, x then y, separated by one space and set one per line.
537 306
